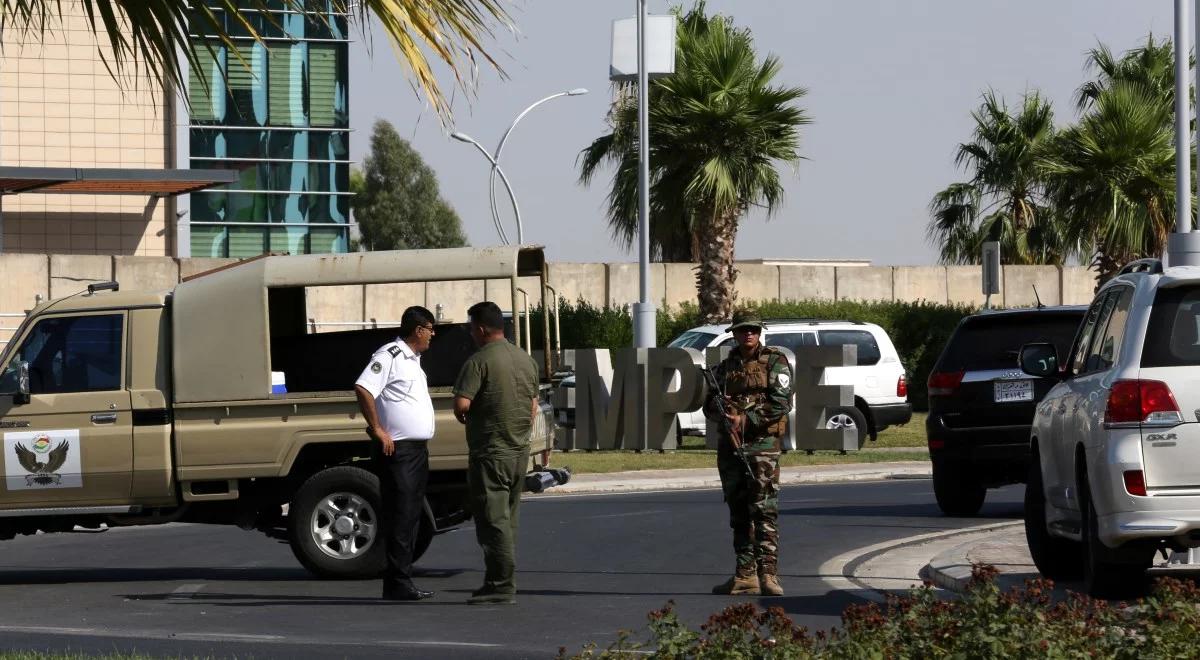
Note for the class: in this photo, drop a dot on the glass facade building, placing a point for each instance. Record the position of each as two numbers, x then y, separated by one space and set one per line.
276 109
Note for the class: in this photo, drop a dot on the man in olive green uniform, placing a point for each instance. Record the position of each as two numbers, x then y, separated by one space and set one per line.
496 397
757 382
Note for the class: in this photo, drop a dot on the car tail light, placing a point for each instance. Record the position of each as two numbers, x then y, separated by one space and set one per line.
944 383
1141 402
937 444
902 387
1135 482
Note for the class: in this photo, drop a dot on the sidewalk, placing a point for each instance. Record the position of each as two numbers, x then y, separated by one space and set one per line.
1003 548
645 480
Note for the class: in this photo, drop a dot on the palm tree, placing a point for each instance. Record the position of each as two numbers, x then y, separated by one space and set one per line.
719 129
1152 66
1113 175
153 33
1005 198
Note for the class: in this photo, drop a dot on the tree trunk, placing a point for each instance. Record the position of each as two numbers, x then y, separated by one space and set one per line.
716 276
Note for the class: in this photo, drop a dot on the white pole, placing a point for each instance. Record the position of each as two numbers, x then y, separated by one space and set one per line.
644 309
1183 246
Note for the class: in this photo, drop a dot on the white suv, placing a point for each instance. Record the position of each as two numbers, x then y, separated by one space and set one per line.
1115 444
880 388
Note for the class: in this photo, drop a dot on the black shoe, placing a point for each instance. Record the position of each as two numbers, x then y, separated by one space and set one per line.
410 593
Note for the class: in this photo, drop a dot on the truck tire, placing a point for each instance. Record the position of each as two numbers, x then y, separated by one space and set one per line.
957 492
1056 558
333 524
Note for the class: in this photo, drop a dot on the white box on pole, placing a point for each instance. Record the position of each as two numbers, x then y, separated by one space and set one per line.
660 48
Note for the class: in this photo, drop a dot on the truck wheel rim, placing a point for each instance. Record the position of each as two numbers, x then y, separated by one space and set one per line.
343 525
841 421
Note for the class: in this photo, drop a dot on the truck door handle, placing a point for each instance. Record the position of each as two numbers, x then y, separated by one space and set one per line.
104 418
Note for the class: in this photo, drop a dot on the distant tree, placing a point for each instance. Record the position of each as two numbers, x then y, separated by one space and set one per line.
1005 199
397 203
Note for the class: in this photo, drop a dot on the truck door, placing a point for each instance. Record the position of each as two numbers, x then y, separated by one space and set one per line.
71 444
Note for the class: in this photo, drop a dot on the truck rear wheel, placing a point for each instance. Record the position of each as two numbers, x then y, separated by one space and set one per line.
334 526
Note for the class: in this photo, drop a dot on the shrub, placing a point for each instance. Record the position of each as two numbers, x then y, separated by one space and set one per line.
919 330
983 623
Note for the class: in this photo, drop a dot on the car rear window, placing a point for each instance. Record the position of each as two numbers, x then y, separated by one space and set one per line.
692 339
994 342
868 348
1173 336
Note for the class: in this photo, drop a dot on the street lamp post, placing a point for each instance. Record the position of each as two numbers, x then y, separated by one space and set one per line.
500 147
463 137
494 159
644 312
1183 246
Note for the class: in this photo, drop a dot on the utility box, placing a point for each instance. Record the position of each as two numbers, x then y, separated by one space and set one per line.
660 48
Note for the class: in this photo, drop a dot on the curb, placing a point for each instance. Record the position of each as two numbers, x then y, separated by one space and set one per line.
707 478
951 569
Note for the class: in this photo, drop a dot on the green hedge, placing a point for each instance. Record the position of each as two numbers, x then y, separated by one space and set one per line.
919 330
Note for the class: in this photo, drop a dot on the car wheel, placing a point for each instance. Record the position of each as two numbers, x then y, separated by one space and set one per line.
848 418
1102 576
956 490
1056 558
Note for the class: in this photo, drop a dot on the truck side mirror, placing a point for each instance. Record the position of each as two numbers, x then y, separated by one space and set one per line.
21 396
1039 360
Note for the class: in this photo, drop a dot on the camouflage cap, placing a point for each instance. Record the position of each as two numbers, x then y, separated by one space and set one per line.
746 318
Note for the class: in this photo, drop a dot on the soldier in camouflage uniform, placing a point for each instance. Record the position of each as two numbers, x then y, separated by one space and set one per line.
757 381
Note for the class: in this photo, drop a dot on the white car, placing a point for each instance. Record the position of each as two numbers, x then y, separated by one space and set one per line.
1115 444
880 387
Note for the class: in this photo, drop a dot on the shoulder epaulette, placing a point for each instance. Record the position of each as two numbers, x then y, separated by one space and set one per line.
394 350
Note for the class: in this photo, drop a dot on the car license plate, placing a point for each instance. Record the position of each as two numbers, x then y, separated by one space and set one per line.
1013 390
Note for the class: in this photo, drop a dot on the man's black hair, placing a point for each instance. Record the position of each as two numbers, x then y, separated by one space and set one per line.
413 318
488 315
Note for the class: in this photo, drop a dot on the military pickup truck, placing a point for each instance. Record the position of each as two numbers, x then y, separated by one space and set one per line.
138 408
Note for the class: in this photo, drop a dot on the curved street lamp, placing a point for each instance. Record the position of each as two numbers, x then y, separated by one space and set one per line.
463 137
496 169
500 147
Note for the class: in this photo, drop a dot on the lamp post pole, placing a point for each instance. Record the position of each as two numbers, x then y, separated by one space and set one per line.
463 137
500 147
1183 246
644 311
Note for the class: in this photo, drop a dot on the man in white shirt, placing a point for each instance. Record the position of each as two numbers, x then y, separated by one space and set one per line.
394 398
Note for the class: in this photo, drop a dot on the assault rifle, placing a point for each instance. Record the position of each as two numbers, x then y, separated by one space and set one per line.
716 396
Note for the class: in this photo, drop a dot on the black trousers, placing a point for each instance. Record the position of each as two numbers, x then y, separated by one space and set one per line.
402 480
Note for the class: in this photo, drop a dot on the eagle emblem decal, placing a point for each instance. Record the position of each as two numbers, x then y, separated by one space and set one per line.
37 460
42 472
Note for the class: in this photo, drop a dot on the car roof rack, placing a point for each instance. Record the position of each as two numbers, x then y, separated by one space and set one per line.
811 320
1152 266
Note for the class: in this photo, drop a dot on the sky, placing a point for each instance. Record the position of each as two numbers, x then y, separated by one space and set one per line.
891 85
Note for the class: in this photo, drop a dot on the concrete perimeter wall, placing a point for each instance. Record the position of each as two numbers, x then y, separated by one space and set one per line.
27 276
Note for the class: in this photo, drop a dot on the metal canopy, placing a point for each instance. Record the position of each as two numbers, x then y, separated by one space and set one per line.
110 181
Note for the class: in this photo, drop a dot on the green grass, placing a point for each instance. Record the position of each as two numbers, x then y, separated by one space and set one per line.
694 454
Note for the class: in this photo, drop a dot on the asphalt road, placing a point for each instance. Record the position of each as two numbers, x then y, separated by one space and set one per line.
588 567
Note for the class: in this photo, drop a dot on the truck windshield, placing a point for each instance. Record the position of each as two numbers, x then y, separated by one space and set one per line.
692 339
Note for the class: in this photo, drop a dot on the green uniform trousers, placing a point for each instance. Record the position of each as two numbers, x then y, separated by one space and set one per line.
494 486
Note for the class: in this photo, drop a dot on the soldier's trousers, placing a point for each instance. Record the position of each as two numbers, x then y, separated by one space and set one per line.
494 486
753 508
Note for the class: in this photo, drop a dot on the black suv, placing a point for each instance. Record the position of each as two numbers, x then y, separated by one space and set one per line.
981 404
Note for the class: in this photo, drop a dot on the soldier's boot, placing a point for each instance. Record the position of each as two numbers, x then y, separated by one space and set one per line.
744 581
770 582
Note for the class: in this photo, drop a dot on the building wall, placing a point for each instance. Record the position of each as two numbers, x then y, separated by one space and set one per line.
60 107
29 276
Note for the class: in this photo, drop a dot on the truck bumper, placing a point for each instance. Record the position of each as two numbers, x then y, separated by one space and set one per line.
890 414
